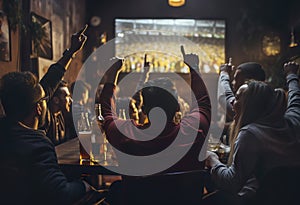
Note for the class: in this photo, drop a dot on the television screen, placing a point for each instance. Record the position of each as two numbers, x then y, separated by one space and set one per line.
160 39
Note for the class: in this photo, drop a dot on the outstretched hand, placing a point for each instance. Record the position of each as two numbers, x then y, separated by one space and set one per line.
78 40
192 60
226 68
291 68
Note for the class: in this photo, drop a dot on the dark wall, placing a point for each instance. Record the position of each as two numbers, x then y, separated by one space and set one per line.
246 22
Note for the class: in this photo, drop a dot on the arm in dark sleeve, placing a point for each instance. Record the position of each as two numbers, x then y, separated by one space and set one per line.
52 181
202 104
143 79
52 78
245 158
225 95
293 110
108 106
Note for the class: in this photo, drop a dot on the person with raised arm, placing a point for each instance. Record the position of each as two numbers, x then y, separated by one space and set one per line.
160 92
31 174
265 136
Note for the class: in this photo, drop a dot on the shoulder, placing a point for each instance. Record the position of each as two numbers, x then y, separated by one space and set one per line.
249 133
37 140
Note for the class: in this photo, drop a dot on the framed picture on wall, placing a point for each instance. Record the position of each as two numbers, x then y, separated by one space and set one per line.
41 37
43 66
40 66
5 53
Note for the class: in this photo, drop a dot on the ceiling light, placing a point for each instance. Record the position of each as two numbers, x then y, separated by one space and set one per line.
176 3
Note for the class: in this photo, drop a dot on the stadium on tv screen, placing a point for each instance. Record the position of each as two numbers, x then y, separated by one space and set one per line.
160 39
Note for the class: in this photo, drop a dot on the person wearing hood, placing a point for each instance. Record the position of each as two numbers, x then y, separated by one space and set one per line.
265 133
226 91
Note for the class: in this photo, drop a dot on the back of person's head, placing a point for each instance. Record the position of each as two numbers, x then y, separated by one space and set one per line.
81 88
260 102
19 91
252 70
160 92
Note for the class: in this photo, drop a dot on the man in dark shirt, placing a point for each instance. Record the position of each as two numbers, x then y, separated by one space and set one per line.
59 108
29 167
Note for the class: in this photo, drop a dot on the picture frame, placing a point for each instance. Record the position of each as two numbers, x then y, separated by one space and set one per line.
41 37
43 66
5 39
40 66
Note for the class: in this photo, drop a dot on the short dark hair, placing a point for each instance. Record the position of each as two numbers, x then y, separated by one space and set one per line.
160 92
252 70
18 92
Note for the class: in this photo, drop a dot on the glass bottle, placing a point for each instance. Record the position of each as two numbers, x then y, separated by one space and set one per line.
84 135
98 112
122 114
104 143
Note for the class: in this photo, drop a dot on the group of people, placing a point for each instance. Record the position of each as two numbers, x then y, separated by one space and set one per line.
263 131
31 174
263 128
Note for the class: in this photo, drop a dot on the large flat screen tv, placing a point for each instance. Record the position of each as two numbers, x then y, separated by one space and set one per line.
160 39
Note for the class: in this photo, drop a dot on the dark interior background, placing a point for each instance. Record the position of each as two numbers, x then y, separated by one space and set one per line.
246 24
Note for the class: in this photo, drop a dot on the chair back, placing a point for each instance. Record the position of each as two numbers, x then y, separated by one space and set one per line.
280 186
169 188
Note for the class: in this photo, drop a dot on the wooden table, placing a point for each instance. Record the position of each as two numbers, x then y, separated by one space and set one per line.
68 159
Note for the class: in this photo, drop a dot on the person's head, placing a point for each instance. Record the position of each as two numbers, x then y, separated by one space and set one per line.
257 102
247 71
82 92
160 92
23 97
61 99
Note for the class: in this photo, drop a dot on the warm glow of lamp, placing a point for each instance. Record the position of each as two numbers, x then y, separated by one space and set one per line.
176 3
103 38
293 43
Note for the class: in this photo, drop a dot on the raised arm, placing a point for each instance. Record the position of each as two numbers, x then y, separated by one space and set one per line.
201 103
145 75
225 94
108 105
107 98
56 71
144 78
293 110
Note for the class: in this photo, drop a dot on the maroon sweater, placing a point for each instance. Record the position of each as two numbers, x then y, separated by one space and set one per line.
192 130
